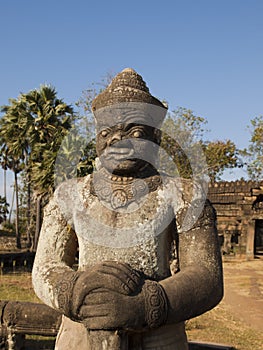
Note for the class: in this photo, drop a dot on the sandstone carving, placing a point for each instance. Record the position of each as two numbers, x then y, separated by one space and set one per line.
149 257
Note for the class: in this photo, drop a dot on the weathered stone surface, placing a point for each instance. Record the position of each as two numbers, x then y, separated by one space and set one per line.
29 318
23 318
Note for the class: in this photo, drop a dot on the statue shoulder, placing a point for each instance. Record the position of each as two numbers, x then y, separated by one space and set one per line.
186 189
189 202
68 194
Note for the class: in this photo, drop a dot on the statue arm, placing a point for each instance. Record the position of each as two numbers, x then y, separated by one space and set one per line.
53 276
198 286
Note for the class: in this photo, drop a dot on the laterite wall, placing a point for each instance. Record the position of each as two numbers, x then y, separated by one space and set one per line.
239 207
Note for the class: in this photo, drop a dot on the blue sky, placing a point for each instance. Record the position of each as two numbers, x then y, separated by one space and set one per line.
200 54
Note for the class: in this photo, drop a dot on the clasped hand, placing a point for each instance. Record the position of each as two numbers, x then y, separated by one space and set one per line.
109 296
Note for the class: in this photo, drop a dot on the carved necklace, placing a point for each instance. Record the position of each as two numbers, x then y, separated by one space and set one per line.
121 191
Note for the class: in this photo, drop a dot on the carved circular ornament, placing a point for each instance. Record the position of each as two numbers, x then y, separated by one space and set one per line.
119 199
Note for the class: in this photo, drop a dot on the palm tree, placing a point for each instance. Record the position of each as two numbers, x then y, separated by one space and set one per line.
16 147
11 159
32 127
51 120
14 165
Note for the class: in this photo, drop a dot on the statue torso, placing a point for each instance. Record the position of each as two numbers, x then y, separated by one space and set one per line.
111 224
132 222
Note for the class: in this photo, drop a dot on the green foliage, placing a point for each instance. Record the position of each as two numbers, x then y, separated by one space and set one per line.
9 227
34 125
220 155
254 154
10 158
3 209
75 157
191 155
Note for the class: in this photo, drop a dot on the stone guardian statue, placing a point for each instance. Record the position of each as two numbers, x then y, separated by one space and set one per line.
149 256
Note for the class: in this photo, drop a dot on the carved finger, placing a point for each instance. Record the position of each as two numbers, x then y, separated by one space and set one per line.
95 323
125 268
123 277
99 310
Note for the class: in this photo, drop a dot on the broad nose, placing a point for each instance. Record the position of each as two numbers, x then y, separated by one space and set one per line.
116 137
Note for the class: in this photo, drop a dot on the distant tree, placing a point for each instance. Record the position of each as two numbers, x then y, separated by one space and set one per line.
181 135
87 96
3 162
85 116
33 123
254 153
3 209
75 157
85 133
192 155
11 160
220 155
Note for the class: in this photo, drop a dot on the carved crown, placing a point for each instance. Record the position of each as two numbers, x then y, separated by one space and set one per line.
127 86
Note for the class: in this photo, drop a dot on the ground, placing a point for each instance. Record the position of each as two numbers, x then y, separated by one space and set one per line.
244 291
238 319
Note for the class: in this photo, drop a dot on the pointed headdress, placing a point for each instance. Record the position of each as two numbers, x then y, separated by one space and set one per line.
128 91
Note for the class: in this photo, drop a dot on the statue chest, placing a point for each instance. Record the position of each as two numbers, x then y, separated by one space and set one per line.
139 234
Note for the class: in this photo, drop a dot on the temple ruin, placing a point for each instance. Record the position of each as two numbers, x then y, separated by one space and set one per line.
239 206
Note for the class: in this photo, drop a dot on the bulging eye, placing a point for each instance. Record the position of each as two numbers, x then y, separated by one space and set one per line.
104 133
137 134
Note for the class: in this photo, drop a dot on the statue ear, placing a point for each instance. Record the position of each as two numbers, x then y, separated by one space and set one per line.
157 136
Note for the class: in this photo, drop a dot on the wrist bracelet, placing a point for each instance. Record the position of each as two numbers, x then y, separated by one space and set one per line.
64 290
156 304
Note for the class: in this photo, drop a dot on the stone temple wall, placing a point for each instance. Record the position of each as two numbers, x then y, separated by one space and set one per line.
239 207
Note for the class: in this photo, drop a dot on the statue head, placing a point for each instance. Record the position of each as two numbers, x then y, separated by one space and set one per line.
128 120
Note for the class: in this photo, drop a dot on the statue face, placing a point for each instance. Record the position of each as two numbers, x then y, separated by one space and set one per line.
126 148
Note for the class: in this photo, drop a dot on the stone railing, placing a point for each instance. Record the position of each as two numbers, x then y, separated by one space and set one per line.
19 319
